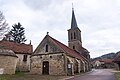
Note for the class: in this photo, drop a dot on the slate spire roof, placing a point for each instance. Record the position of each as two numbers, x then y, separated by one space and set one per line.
73 20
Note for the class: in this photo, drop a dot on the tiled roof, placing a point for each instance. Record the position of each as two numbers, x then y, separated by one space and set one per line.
68 50
17 47
6 52
105 60
83 50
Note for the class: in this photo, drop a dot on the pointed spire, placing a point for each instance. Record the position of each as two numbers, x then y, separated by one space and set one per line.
73 20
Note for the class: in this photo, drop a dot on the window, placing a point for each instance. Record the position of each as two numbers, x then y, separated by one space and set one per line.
74 35
25 58
73 47
71 36
41 57
50 56
46 48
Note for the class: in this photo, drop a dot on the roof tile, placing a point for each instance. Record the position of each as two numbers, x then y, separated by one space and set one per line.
68 50
16 47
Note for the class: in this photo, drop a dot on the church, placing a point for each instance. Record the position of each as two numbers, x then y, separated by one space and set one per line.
52 57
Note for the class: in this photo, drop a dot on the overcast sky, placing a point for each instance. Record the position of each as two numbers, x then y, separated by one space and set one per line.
99 21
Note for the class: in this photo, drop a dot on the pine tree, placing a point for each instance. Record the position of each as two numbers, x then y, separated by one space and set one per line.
3 26
18 33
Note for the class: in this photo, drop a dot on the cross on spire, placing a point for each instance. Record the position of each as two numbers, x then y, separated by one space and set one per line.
47 33
72 7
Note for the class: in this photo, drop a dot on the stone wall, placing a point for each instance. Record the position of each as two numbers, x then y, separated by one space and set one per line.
23 65
36 65
82 66
52 48
116 66
56 64
8 64
70 65
74 65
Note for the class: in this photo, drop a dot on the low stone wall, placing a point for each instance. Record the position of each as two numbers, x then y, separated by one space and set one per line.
8 61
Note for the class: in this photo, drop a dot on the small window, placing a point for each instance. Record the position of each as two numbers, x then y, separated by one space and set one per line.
25 58
46 48
74 35
50 56
41 57
73 47
71 36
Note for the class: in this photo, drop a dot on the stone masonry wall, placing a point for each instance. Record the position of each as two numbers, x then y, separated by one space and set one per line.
56 64
23 65
36 65
52 48
8 64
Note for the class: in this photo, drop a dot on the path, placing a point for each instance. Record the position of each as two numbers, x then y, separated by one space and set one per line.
96 74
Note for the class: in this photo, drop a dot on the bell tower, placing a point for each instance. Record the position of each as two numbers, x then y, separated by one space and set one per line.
74 34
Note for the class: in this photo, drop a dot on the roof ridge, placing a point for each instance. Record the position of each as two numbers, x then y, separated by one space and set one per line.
15 42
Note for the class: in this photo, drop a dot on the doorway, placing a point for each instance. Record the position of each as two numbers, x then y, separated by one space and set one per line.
45 69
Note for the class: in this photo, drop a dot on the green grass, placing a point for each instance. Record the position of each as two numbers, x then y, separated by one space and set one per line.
25 76
19 74
117 75
11 77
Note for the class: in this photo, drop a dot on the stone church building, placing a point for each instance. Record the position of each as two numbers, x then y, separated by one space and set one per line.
55 58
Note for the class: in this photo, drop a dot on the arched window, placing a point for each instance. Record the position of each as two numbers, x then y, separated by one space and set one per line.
74 35
46 48
71 36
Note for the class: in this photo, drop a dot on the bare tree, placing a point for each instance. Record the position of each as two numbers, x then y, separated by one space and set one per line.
3 26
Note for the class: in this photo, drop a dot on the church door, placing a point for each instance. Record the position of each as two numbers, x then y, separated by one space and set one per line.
45 67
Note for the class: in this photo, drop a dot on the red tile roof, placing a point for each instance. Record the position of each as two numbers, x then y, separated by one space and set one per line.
17 47
105 60
4 52
68 50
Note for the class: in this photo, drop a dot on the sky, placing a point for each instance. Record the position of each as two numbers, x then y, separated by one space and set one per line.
99 21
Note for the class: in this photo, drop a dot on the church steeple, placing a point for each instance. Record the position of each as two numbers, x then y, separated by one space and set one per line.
74 34
73 20
74 37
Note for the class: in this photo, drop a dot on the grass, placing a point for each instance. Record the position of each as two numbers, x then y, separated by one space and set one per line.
11 77
24 76
117 75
